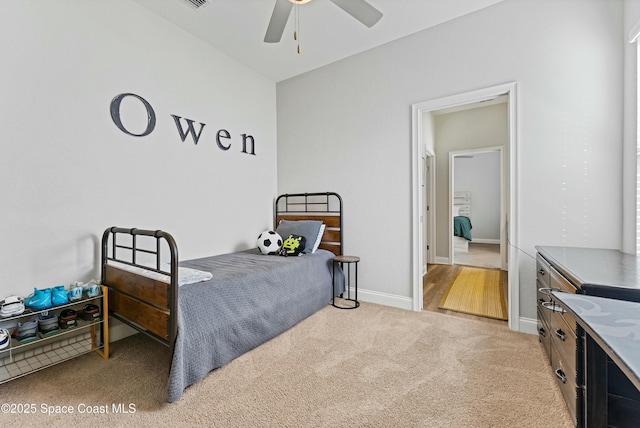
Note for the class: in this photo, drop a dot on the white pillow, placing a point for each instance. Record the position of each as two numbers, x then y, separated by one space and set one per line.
319 238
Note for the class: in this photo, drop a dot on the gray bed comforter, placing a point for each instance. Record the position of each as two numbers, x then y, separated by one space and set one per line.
250 299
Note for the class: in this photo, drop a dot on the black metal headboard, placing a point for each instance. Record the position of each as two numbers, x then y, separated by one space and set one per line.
323 206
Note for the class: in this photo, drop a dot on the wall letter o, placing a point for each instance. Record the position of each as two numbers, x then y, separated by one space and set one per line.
115 114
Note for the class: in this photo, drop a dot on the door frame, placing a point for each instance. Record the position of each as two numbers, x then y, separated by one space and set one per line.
428 208
417 209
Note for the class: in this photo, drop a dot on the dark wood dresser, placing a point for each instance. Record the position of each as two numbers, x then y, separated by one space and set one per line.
595 272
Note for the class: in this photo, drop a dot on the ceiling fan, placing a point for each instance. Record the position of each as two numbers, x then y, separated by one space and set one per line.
359 9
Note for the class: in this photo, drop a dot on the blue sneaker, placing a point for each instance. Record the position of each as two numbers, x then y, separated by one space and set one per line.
59 296
40 299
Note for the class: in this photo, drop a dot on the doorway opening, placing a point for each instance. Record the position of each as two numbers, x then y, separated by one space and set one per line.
477 191
423 226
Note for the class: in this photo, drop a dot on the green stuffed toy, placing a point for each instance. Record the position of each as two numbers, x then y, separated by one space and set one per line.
293 246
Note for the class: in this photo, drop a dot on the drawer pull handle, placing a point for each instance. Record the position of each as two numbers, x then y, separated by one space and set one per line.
545 290
561 334
560 375
542 332
550 306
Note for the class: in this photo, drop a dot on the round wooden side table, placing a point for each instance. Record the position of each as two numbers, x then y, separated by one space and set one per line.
348 260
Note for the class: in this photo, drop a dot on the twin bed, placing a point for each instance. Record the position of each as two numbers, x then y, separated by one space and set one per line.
229 303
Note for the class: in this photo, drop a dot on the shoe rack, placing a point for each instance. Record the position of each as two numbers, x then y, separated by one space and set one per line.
45 350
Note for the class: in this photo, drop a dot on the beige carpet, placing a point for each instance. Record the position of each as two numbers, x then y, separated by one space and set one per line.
371 367
476 291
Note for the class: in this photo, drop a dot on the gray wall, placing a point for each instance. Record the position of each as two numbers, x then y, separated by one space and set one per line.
349 125
629 163
67 172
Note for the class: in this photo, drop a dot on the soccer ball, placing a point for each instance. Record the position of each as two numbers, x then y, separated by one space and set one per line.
269 242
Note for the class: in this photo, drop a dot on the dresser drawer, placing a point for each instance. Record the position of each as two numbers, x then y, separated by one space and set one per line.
559 282
543 292
564 341
544 333
566 381
545 308
542 270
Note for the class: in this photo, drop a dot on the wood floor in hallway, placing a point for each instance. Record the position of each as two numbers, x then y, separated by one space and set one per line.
435 283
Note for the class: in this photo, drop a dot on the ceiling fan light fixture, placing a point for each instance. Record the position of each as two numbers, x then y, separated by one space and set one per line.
359 9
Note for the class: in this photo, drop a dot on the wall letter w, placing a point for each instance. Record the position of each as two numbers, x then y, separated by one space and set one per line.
190 129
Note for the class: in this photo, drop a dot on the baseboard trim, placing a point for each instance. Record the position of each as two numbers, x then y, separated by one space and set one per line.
528 325
486 241
386 299
442 261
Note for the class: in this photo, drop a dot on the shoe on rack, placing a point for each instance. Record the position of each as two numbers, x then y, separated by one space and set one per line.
5 338
9 325
75 292
47 322
12 305
26 330
89 312
59 296
40 299
67 318
92 288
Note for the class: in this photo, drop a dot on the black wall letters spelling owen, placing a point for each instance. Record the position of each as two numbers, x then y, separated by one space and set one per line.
248 142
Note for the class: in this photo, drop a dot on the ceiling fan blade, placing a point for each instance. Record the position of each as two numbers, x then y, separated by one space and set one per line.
360 10
281 12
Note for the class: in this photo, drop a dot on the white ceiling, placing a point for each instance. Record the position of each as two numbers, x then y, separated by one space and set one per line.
327 33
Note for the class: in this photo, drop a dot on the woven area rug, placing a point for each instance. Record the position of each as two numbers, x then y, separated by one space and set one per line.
476 291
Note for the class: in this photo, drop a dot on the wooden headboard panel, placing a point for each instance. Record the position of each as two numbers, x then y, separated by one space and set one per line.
325 207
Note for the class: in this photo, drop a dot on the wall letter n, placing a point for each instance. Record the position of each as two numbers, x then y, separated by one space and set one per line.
246 138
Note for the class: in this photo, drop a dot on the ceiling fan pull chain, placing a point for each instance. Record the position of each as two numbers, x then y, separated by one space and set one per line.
295 27
296 32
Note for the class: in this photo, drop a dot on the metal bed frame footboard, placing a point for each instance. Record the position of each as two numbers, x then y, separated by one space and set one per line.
148 305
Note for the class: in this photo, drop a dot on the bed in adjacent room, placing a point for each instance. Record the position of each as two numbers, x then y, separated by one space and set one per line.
461 220
462 227
214 309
